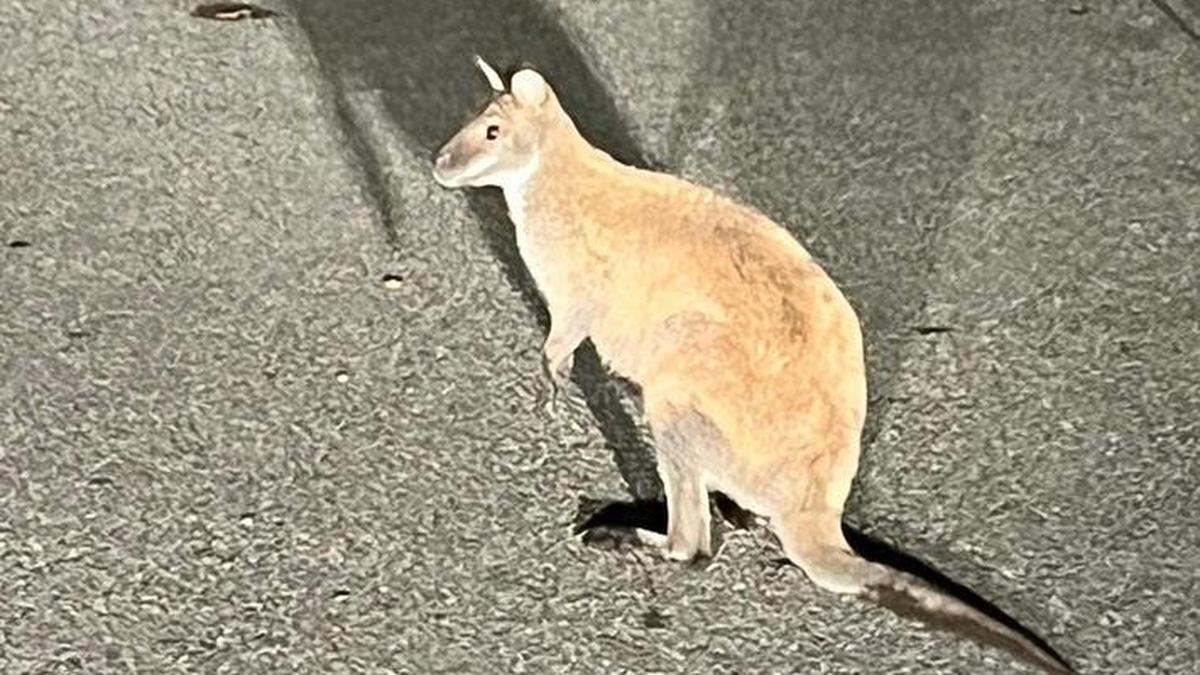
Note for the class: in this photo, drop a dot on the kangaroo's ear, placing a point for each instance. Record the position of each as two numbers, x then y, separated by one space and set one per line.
529 87
490 73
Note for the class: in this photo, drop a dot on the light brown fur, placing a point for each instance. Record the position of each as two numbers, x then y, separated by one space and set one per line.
749 358
711 308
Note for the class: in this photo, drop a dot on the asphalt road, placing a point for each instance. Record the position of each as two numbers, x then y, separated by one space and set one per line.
269 398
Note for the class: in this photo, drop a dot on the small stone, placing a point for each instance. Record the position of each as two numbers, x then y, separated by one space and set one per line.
231 11
1078 8
342 376
653 618
392 281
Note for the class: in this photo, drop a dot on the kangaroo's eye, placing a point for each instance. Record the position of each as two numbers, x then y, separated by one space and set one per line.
493 131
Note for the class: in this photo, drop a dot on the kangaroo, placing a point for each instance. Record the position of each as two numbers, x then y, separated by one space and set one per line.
749 358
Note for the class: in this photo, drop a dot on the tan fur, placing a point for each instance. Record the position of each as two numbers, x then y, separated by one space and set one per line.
749 358
710 307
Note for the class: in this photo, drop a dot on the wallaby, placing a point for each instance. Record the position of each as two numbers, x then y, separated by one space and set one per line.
749 358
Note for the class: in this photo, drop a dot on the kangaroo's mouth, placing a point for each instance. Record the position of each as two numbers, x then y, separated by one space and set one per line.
449 172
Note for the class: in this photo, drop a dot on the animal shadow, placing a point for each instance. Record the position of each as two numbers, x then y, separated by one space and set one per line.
614 524
417 56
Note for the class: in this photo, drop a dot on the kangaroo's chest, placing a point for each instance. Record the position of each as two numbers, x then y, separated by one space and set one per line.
535 245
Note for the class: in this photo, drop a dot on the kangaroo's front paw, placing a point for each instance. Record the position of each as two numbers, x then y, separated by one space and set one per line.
557 365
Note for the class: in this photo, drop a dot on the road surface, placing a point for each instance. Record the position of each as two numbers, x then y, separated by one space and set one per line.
270 400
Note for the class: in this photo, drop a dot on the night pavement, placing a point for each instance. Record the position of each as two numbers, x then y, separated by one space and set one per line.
271 400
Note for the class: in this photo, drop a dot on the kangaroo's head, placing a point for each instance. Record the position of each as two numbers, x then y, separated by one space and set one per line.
501 146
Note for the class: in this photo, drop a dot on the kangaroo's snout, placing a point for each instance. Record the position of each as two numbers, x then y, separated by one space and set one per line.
443 161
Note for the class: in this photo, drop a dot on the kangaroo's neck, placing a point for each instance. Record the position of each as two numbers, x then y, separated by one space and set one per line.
544 192
553 210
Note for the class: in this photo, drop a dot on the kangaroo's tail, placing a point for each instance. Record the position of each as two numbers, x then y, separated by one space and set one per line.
818 546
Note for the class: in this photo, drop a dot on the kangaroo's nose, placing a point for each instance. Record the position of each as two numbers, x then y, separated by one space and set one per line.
440 165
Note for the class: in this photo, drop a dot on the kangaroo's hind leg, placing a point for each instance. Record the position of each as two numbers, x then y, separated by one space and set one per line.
685 442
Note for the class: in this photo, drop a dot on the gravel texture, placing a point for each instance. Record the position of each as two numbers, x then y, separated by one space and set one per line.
271 400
